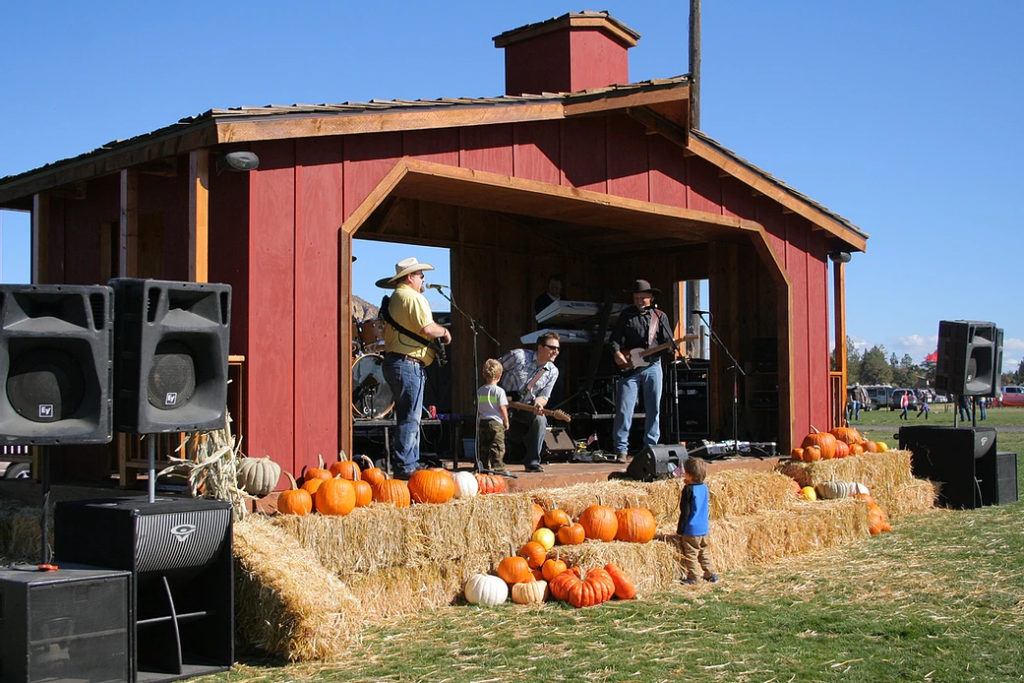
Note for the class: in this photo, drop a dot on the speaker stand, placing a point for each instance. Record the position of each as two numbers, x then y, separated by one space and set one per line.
44 522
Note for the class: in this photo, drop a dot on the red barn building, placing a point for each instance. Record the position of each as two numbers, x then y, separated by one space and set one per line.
574 170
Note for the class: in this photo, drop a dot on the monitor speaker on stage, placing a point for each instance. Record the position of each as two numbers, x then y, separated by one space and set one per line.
970 355
55 362
171 350
656 462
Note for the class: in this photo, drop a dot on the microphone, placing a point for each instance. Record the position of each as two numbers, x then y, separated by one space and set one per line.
699 312
438 287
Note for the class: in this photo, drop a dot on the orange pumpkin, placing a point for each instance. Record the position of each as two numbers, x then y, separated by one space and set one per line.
552 568
635 525
538 516
599 523
394 491
571 534
311 485
515 569
797 453
856 449
373 475
559 586
490 483
556 519
335 497
595 589
812 454
624 589
318 472
877 520
534 553
871 447
842 449
823 440
345 468
294 501
847 435
364 493
431 486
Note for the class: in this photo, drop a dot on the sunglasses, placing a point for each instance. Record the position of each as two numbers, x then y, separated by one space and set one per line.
553 348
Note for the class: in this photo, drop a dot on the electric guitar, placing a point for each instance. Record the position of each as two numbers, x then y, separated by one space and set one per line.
557 414
637 358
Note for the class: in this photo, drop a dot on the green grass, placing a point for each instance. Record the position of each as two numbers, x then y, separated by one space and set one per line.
940 598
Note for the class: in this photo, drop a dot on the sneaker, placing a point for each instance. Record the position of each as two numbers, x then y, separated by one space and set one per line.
689 581
534 468
711 579
620 457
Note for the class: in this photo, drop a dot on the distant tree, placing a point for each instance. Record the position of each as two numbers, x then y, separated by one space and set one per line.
905 373
853 362
873 368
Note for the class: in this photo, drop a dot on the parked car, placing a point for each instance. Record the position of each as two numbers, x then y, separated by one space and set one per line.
1013 396
15 470
896 399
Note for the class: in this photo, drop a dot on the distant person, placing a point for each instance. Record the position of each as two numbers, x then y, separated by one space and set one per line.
964 407
981 402
924 408
904 405
492 414
552 294
694 523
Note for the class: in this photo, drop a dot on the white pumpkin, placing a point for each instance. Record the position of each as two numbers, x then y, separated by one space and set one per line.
530 592
258 476
466 485
486 590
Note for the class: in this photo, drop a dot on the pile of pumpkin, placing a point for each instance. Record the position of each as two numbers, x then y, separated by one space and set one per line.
343 486
878 521
531 576
841 442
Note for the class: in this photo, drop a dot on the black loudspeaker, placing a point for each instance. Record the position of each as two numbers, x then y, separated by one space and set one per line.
656 462
956 457
171 373
999 479
179 554
970 355
55 362
71 624
694 413
558 441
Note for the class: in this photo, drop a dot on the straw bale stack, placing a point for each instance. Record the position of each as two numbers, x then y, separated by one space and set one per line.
20 532
887 475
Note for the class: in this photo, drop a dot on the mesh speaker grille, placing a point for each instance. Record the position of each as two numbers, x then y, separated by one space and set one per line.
172 376
45 385
182 540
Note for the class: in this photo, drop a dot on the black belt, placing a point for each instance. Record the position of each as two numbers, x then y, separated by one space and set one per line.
401 357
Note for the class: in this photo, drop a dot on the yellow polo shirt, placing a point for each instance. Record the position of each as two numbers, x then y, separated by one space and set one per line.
411 310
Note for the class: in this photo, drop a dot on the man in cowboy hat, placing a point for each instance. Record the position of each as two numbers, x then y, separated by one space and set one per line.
410 328
640 326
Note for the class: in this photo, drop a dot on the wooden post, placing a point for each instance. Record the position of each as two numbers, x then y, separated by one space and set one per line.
839 308
128 240
199 215
40 238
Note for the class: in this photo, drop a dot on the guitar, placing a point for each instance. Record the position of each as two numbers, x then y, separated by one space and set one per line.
557 414
637 357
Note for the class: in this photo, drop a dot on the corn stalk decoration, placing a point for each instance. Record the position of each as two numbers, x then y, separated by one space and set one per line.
210 462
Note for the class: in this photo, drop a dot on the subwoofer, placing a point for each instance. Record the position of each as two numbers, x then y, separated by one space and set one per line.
71 624
55 363
656 462
179 554
956 457
969 358
171 353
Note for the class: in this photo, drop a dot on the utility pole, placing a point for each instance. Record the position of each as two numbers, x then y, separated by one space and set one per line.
693 286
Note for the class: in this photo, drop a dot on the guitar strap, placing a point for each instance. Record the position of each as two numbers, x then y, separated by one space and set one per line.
652 328
385 313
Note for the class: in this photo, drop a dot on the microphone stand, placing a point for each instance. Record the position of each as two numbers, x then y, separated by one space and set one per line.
476 328
735 382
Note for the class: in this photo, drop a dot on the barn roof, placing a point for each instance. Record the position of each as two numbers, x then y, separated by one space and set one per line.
660 104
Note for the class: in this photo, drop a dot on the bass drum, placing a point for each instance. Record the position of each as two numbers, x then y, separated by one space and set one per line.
371 394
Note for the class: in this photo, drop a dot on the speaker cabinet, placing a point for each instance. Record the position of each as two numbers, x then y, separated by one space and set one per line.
970 355
955 457
999 479
656 462
66 625
55 362
694 414
179 554
557 441
172 355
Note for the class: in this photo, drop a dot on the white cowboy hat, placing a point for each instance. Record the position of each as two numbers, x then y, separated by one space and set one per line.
403 268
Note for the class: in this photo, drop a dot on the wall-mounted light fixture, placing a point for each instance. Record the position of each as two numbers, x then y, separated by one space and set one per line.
238 161
840 256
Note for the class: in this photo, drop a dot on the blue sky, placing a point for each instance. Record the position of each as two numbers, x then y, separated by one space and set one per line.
902 116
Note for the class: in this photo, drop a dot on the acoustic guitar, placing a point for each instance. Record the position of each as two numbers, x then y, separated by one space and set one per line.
638 357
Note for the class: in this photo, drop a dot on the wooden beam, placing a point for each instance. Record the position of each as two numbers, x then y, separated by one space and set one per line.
621 99
128 240
40 237
839 311
659 124
199 215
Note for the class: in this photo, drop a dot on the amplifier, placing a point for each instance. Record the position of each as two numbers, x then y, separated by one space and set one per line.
656 462
179 554
64 625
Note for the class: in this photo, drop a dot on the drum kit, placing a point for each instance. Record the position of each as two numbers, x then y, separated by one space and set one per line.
372 398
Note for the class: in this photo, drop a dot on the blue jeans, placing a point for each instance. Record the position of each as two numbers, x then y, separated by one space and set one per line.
648 381
406 379
529 429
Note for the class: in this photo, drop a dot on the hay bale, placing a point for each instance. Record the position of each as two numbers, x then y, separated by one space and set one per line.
381 536
917 496
885 474
614 494
653 566
744 492
398 591
765 537
20 533
286 602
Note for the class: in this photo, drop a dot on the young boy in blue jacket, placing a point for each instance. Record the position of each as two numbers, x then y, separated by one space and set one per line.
693 523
